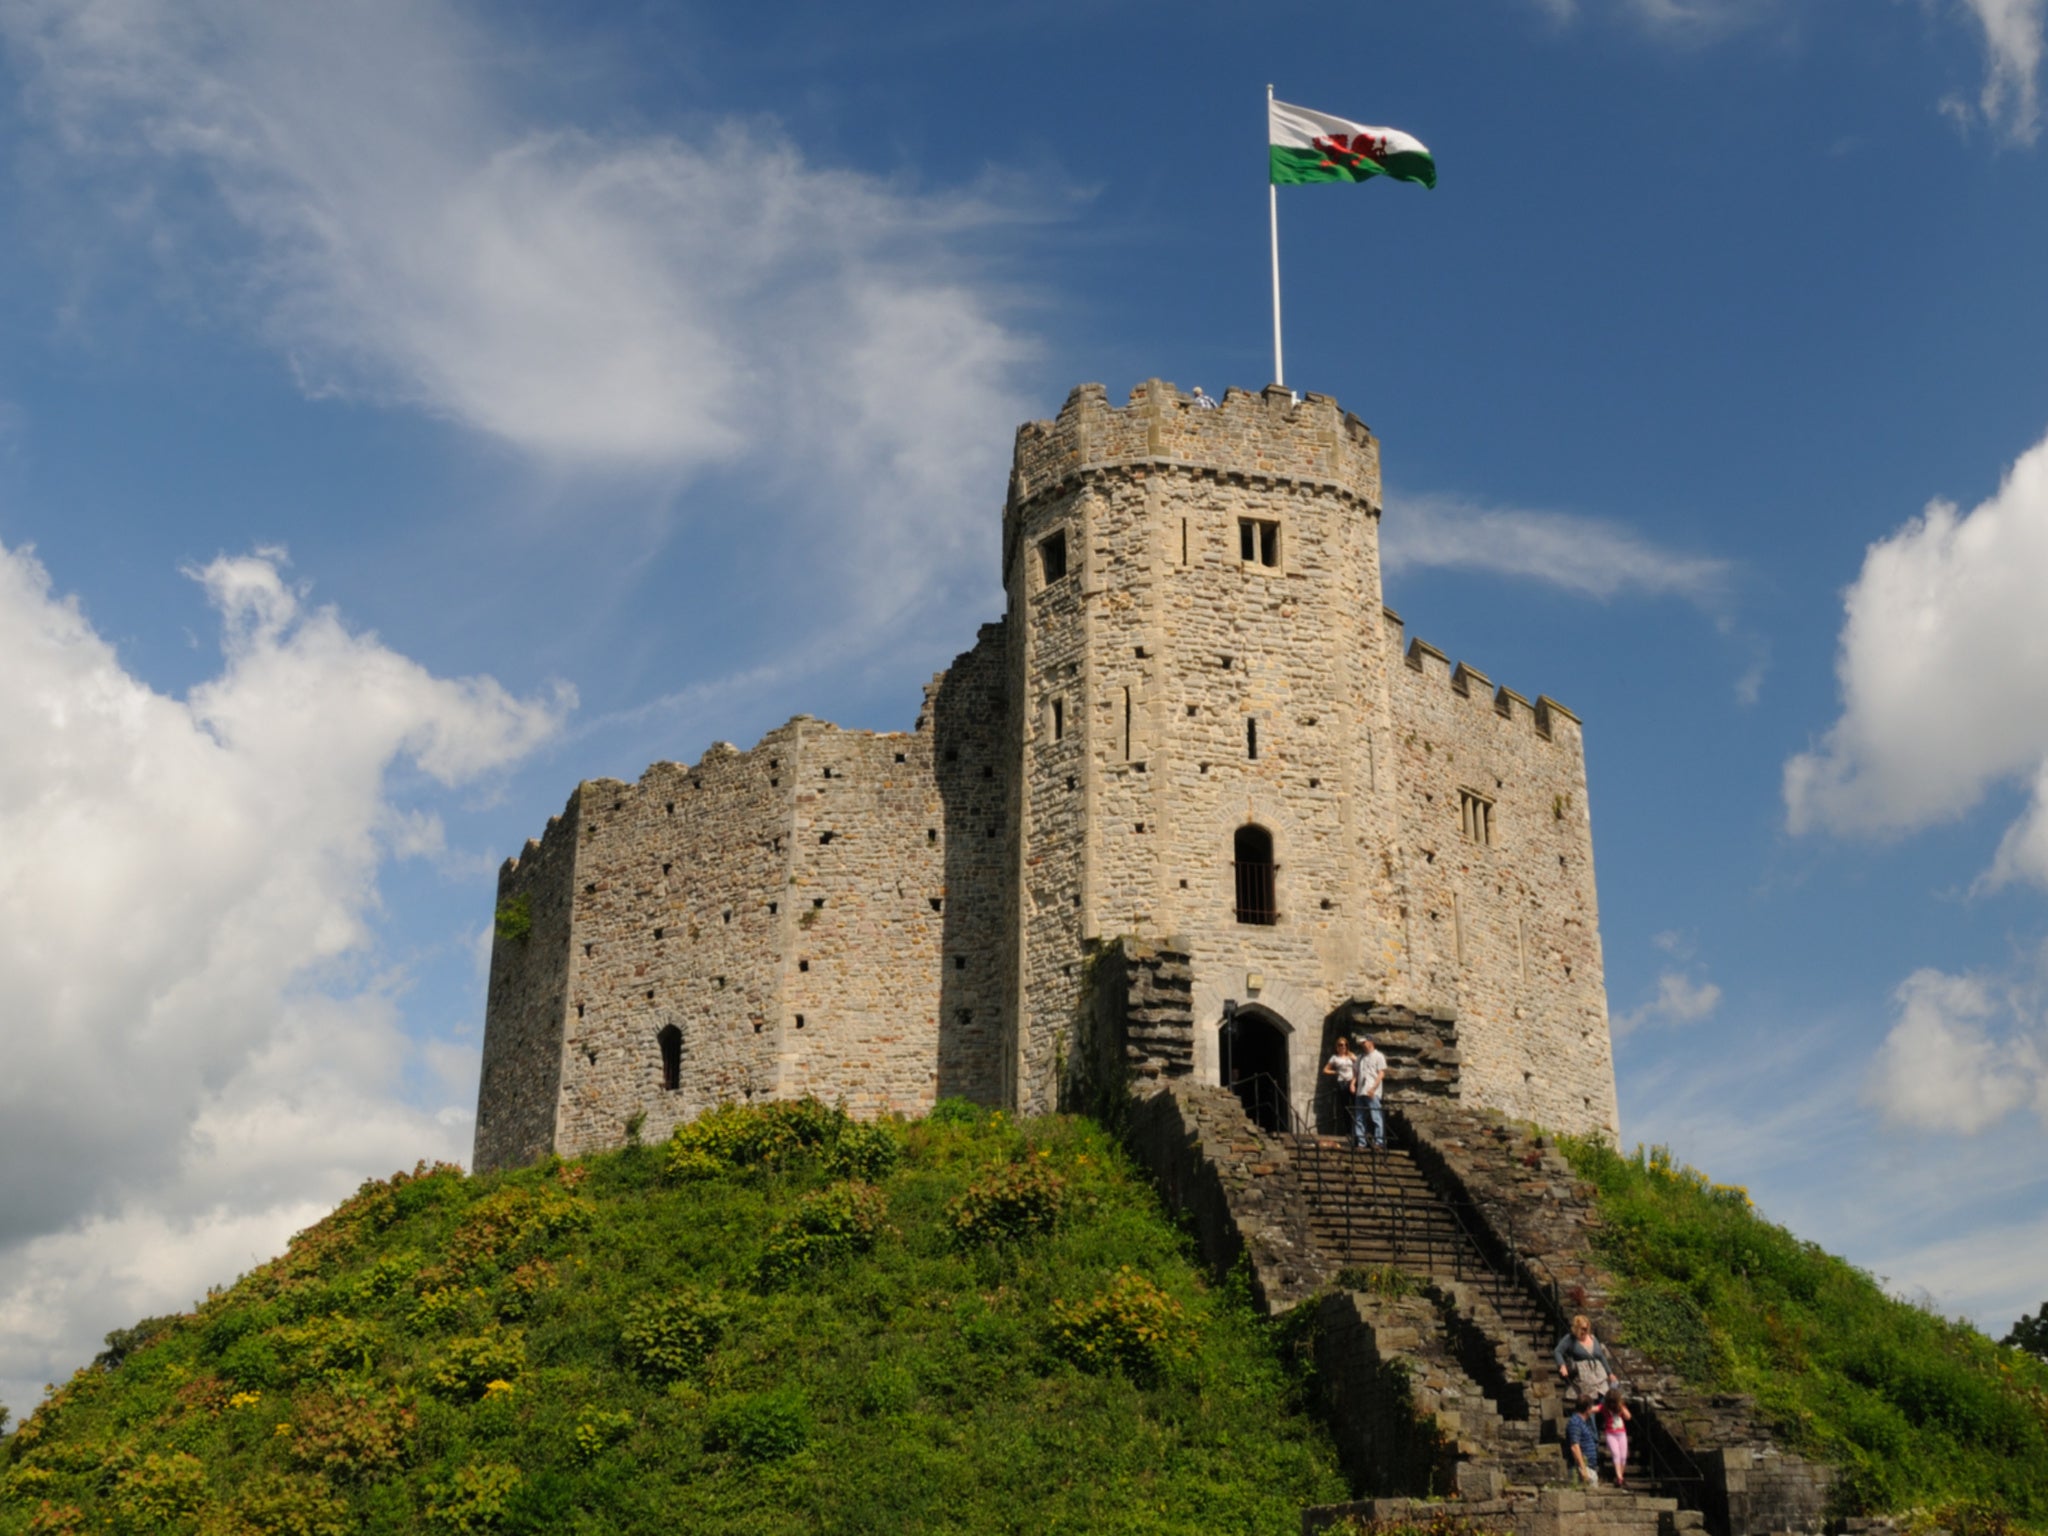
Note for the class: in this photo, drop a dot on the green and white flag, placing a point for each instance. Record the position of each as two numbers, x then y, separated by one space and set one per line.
1313 146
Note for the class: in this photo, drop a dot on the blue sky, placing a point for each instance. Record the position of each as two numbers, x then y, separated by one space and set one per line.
407 410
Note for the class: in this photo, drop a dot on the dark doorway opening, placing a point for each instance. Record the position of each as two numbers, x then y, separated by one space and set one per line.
1254 1052
671 1041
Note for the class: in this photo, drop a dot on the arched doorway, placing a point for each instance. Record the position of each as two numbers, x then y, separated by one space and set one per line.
1253 1053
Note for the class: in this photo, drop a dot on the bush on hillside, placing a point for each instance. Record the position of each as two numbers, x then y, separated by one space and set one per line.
1133 1326
1019 1201
665 1338
829 1224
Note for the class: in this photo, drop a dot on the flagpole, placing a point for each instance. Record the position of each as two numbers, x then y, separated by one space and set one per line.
1273 212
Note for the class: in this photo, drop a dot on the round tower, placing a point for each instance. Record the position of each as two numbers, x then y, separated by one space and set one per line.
1199 662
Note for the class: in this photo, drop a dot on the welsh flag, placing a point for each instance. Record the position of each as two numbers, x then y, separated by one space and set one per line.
1313 146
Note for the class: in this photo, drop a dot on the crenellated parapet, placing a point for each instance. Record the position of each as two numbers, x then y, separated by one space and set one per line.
1266 439
1549 719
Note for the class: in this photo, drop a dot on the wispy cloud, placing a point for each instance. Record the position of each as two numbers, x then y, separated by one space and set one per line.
1679 1000
1586 555
2010 100
651 305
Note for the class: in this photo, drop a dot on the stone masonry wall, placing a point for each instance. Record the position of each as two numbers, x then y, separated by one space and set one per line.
1210 690
822 914
529 991
1506 932
967 710
677 924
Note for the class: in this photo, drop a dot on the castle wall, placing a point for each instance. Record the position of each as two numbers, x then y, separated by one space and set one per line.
1505 932
529 997
889 918
867 884
967 711
679 922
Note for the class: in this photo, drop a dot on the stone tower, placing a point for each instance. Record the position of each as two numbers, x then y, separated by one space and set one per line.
1196 722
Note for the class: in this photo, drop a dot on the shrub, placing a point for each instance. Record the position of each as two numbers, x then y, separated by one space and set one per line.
514 923
354 1436
763 1426
664 1338
123 1342
1665 1323
252 1363
439 1308
476 1498
734 1136
597 1431
505 1222
469 1365
56 1520
1133 1326
159 1492
957 1112
867 1152
325 1349
289 1506
828 1225
1018 1201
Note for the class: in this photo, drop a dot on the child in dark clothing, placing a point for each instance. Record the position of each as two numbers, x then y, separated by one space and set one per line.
1582 1442
1611 1418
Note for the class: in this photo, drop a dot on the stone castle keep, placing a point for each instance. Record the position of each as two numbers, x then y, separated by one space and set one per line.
1196 725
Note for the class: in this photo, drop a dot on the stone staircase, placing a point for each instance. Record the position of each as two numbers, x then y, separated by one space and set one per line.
1383 1226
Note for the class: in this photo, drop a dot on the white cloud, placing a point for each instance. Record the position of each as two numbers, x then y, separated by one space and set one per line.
1940 1069
200 1052
1679 1000
1580 554
1944 676
2011 98
651 305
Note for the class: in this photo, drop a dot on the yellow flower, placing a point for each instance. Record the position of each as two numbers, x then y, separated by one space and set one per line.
498 1389
282 1429
245 1399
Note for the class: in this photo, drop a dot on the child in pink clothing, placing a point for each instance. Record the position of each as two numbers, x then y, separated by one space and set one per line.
1611 1419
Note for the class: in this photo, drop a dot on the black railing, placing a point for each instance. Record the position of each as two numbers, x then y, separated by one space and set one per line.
1255 899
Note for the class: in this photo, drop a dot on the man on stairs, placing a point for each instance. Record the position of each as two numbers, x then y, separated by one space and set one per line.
1371 1077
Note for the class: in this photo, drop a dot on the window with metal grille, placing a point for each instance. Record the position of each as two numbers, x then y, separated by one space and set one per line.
670 1039
1475 818
1255 867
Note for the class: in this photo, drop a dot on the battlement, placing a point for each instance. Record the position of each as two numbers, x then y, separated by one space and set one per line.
1269 437
1469 682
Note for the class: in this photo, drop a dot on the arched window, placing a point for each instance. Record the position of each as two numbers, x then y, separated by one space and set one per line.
1255 903
670 1039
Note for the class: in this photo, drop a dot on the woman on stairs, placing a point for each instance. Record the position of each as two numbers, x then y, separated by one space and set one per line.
1583 1362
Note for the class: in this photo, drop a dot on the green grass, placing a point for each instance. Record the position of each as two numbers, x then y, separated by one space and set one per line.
1921 1412
733 1336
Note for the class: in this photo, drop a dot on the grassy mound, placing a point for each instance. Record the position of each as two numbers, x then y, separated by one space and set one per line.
1920 1412
778 1321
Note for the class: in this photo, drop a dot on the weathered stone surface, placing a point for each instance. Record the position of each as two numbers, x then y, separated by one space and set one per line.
893 917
